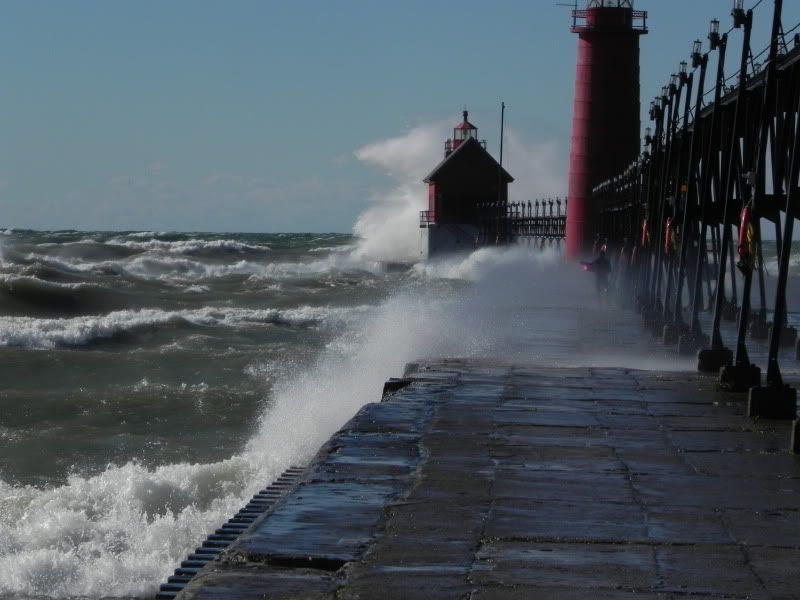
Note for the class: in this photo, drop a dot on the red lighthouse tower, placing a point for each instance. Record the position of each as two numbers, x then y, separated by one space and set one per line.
605 120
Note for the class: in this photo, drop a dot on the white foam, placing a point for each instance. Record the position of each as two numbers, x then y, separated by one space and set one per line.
12 280
115 534
188 246
487 262
145 234
197 289
66 264
81 242
175 269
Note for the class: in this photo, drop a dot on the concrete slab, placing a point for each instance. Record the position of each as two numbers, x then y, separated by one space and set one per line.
702 569
547 521
269 584
493 481
324 524
572 565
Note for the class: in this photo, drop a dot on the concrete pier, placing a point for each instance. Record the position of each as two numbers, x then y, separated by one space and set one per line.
484 480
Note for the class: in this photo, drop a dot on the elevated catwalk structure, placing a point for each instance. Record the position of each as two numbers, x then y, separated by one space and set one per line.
605 125
717 160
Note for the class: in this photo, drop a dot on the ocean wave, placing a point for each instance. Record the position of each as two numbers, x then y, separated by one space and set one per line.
191 247
145 234
187 270
771 265
14 281
342 248
80 242
173 269
121 532
29 332
32 296
331 264
118 533
197 289
74 265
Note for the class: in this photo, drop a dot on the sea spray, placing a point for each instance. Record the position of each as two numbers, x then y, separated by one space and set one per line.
389 230
121 532
538 167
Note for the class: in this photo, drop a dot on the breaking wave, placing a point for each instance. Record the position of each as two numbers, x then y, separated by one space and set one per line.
109 535
182 269
29 332
191 247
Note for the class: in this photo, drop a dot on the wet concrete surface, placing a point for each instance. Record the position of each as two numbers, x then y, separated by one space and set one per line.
495 481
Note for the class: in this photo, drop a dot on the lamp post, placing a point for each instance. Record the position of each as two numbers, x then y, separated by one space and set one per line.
713 34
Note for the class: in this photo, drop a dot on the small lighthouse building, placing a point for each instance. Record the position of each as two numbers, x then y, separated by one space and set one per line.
467 196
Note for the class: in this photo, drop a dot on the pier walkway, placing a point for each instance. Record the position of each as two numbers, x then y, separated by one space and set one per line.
485 480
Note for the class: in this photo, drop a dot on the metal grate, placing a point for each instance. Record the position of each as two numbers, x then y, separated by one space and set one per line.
216 542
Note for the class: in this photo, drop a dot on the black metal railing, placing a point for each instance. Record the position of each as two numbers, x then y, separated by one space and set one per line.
686 218
504 221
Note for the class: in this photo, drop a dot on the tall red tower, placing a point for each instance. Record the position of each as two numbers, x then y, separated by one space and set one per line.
605 120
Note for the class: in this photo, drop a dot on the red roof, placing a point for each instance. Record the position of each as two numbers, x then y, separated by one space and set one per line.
465 124
469 145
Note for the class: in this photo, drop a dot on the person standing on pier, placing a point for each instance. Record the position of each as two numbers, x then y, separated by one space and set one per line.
601 267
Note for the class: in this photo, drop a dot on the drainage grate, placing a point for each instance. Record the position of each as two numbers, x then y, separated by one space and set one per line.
216 542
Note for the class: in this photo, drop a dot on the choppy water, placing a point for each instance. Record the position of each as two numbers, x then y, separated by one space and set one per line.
151 382
135 368
158 347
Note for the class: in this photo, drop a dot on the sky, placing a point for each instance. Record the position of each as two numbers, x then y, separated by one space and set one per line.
260 116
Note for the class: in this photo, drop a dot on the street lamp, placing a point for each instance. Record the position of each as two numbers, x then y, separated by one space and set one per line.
674 82
738 13
713 34
696 55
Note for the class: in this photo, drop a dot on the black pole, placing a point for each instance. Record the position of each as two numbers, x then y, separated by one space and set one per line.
505 230
758 157
774 378
677 192
691 194
674 108
726 186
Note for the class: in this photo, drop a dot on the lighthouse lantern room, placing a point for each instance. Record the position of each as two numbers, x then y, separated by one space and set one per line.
461 132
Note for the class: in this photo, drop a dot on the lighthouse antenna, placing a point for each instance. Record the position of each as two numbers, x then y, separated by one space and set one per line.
502 119
500 170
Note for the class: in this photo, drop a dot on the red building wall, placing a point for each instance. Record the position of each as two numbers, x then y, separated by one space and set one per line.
605 126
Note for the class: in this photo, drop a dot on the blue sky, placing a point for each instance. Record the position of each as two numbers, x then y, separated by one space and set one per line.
249 116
